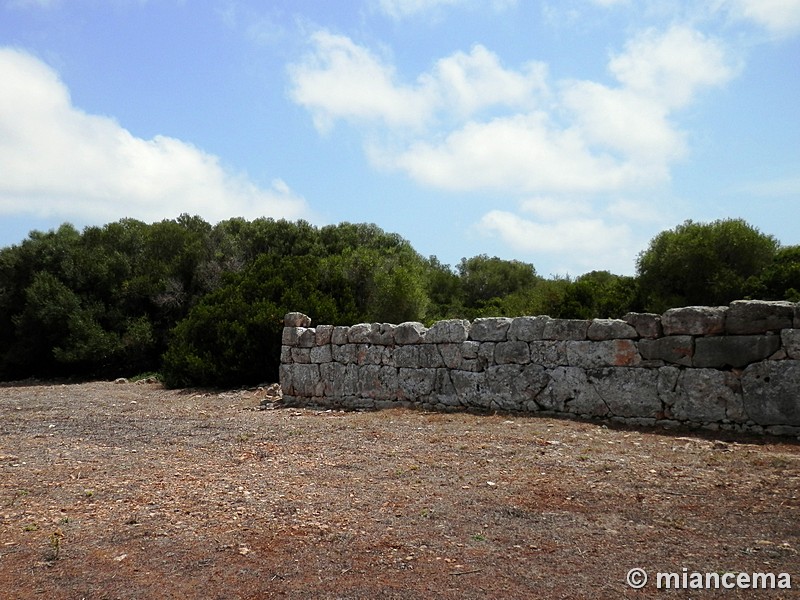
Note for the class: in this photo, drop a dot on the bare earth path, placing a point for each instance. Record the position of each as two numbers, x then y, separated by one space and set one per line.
132 491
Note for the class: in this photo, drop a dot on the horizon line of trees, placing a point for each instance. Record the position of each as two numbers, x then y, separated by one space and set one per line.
204 305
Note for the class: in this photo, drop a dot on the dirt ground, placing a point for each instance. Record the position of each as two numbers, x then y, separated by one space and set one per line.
132 491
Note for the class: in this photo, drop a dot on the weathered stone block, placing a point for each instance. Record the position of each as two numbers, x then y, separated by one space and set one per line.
340 380
451 355
346 354
305 381
321 354
409 332
676 349
296 319
772 392
286 355
527 329
733 350
382 334
548 353
626 392
470 388
694 320
416 383
430 357
323 335
378 382
360 333
707 395
502 387
307 338
758 316
291 335
444 385
569 390
301 355
368 354
494 329
647 325
470 349
406 357
611 329
339 335
566 329
512 353
597 355
790 338
450 331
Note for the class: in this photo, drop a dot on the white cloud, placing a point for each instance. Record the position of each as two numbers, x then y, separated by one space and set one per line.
341 80
401 9
59 161
472 124
467 83
669 68
781 17
583 242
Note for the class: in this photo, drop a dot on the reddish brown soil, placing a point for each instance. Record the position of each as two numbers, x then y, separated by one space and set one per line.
132 491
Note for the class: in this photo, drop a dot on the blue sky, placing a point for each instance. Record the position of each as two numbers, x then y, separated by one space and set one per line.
565 134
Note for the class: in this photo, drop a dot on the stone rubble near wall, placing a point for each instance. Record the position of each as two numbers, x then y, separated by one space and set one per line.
734 368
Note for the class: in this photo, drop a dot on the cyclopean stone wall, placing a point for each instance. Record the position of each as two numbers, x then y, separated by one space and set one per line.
732 367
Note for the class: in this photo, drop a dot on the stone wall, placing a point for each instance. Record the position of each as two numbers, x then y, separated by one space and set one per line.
733 367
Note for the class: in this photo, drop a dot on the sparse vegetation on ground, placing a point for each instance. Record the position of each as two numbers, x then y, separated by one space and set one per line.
125 491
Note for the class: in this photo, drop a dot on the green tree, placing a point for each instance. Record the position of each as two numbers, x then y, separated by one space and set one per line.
484 279
702 263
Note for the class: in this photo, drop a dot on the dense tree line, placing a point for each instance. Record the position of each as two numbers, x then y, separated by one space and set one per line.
204 304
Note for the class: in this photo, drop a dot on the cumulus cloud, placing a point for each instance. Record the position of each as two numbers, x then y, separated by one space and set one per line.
471 123
587 241
59 161
781 17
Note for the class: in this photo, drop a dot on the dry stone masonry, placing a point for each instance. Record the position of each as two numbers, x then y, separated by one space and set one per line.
731 367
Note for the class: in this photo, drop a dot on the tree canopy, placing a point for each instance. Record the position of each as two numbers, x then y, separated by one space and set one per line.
203 304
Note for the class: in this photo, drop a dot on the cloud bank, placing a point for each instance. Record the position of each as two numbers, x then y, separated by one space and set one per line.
58 161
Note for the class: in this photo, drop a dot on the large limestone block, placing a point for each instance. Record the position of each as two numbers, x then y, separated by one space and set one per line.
790 339
470 388
772 392
303 380
345 354
647 325
451 355
527 329
549 354
566 329
569 390
378 382
321 354
758 316
360 333
407 357
416 384
596 355
296 319
339 335
733 350
611 329
493 329
409 332
339 380
694 320
706 396
452 331
627 392
512 353
324 333
676 349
